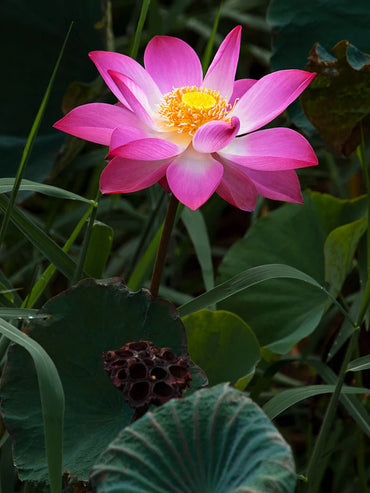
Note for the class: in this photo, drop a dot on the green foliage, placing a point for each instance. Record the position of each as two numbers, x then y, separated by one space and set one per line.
82 323
297 26
339 250
312 21
222 345
288 398
98 249
282 312
338 100
216 440
50 399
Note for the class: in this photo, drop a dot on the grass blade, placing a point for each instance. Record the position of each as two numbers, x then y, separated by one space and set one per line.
30 142
20 313
7 185
52 401
197 230
354 407
208 51
287 398
135 44
41 240
359 364
249 278
46 276
147 260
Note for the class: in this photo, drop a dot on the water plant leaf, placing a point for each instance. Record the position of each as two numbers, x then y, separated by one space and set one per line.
99 249
222 344
338 99
339 250
283 311
215 440
82 323
312 22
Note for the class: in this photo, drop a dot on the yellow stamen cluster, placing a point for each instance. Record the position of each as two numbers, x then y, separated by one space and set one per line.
185 109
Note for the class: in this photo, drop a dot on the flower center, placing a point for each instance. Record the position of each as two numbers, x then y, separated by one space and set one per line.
185 109
198 99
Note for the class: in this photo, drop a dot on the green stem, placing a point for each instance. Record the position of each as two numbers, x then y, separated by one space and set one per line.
145 235
135 44
313 470
85 243
163 245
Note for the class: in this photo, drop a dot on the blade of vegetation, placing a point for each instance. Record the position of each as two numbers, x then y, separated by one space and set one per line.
13 296
20 313
147 260
136 42
41 240
287 398
85 243
7 185
346 330
249 278
351 403
147 233
208 51
197 230
30 142
46 276
52 401
359 364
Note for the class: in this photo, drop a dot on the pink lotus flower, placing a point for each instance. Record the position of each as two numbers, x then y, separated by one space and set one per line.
195 135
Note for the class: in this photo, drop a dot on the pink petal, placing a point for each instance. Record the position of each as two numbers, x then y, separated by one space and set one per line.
269 97
122 135
126 176
236 188
193 177
215 135
96 121
241 86
105 60
150 149
221 73
272 149
276 185
131 92
172 63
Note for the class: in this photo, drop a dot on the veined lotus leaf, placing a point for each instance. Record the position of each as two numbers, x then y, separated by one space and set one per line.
216 440
83 322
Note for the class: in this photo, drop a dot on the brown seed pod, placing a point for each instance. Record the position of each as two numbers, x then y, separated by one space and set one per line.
146 374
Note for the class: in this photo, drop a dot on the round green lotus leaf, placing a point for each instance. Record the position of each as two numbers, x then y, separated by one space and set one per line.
222 344
83 322
216 440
